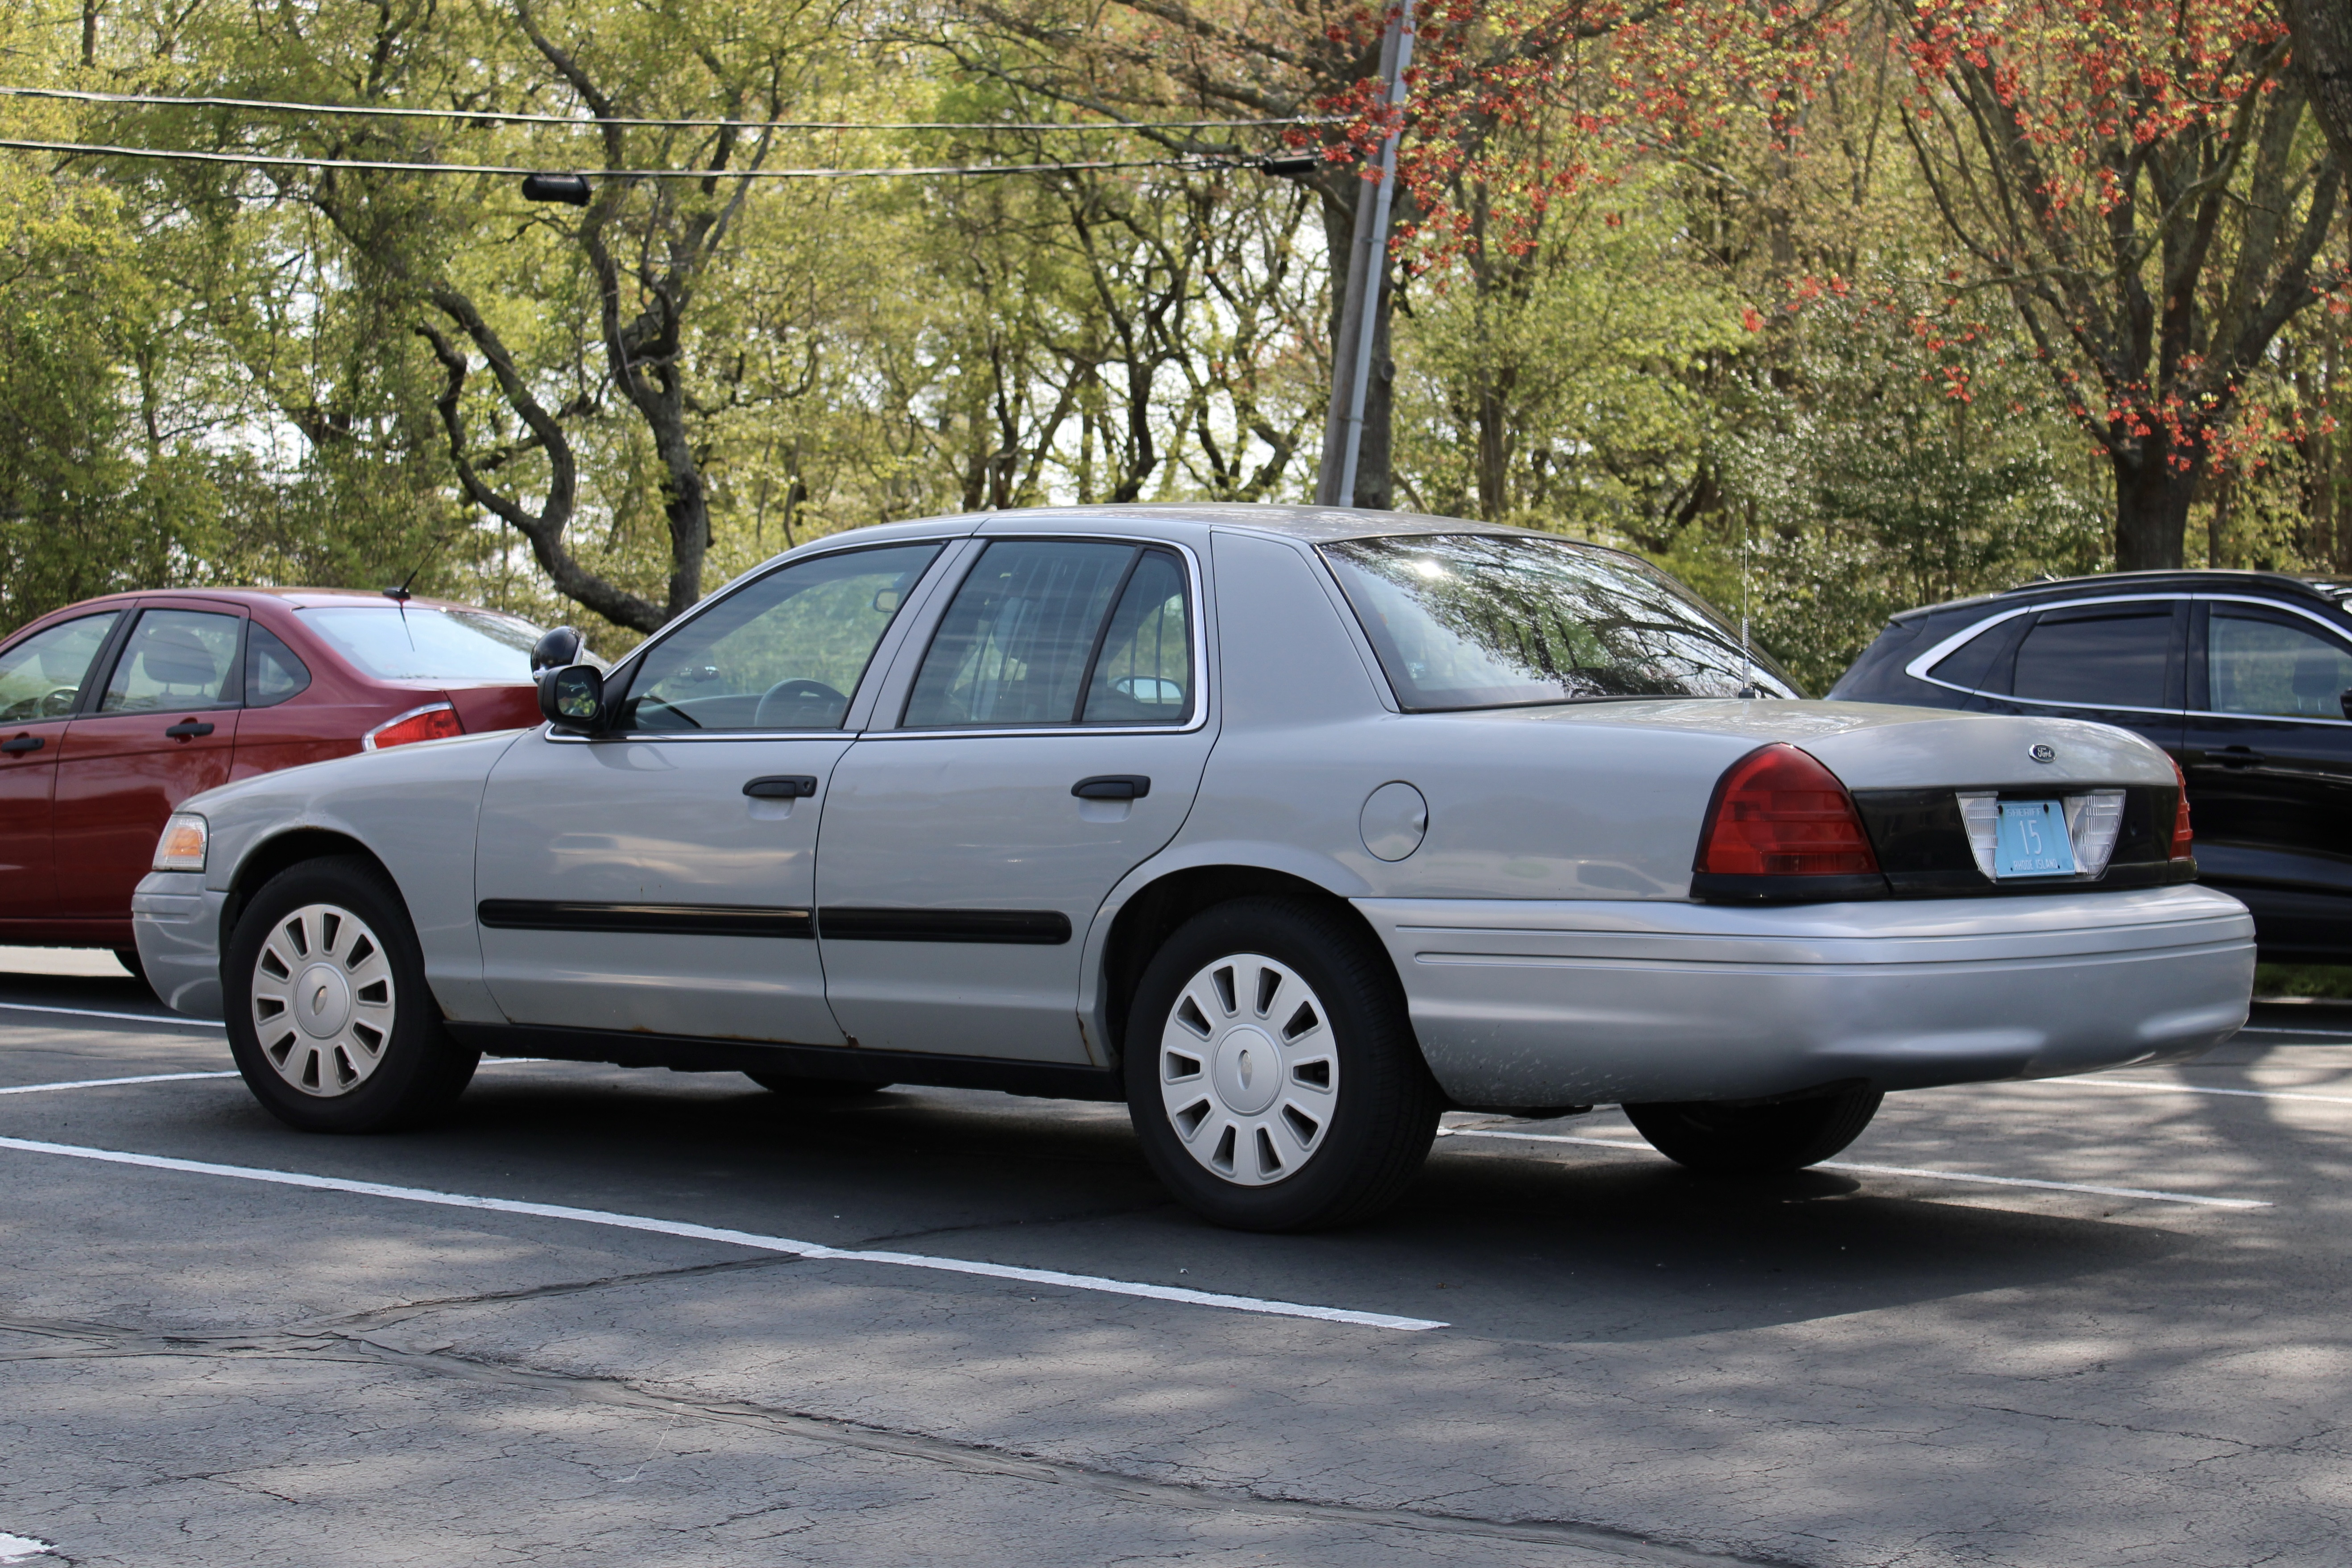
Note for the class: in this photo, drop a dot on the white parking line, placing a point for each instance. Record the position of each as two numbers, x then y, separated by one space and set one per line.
1892 1171
22 1548
2281 1029
134 1017
808 1249
110 1083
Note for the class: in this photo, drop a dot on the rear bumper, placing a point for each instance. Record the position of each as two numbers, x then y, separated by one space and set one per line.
1544 1002
176 920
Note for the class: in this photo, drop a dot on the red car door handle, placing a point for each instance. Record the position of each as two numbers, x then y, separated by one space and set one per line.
186 728
21 744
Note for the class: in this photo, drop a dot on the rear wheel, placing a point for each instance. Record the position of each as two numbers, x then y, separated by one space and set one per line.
815 1088
328 1015
1272 1073
129 958
1755 1140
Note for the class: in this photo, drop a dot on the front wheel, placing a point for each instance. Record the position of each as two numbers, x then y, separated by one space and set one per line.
1755 1140
329 1016
1272 1073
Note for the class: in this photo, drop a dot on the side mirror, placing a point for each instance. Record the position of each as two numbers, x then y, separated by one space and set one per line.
2345 702
553 651
572 698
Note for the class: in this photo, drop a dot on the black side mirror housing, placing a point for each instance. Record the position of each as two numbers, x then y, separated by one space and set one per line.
553 651
2345 702
572 698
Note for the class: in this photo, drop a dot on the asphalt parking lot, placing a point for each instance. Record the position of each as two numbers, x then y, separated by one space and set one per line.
652 1318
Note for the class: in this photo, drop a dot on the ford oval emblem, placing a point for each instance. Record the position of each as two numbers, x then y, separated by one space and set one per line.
2041 752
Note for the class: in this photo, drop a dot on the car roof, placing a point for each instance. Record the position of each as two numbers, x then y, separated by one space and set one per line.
294 598
2329 590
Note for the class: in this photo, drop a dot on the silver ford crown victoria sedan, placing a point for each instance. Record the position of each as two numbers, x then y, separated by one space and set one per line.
1290 828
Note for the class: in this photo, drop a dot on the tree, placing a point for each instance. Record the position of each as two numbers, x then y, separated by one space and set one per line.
2322 30
2138 181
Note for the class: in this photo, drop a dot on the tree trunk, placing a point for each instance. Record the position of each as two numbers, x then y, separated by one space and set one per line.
2151 505
2322 56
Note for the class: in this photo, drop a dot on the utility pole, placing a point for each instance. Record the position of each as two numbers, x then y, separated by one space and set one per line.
1360 313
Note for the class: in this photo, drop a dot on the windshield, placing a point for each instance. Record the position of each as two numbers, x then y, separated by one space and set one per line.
418 644
1468 620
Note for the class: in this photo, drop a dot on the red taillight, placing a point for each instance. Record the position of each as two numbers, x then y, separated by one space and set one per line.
1779 813
2184 843
436 722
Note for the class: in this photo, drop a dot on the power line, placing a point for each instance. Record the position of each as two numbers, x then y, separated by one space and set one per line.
267 160
140 99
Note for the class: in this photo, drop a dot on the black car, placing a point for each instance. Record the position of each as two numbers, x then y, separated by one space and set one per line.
2244 677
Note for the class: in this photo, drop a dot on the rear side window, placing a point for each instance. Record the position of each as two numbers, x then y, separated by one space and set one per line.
2264 666
175 659
1017 643
272 672
40 677
2098 657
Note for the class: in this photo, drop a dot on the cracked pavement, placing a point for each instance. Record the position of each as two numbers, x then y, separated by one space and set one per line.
1836 1371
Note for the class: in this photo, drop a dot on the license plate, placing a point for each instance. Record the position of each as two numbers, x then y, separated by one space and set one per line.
2032 840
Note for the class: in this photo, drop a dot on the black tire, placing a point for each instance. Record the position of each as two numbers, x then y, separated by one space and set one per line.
416 1073
1755 1140
1377 1114
129 958
833 1088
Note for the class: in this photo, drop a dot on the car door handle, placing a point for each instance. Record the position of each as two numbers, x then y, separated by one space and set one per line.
1112 787
2236 757
21 744
188 727
781 786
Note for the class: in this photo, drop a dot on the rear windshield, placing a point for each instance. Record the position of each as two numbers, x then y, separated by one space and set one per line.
393 643
1468 620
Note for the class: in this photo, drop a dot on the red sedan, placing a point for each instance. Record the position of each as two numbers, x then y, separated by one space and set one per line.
115 709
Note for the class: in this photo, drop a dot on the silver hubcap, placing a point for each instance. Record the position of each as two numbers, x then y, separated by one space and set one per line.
323 1000
1247 1071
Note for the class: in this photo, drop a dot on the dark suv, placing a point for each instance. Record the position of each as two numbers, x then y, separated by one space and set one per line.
2244 677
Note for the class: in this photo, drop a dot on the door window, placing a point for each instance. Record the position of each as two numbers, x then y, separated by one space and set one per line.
785 653
2264 666
272 672
2102 657
174 660
1144 673
1014 646
40 677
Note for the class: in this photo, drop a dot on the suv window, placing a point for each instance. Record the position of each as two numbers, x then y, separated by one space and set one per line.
784 653
2103 656
2257 664
1019 643
175 659
40 677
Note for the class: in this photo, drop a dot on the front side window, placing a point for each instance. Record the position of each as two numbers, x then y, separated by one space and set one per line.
1016 645
175 659
784 653
2263 667
2098 656
412 642
40 677
1468 620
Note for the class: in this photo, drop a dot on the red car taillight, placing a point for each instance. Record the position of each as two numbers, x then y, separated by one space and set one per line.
435 721
2184 843
1779 813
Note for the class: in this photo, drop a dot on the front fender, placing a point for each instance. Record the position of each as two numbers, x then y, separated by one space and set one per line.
414 809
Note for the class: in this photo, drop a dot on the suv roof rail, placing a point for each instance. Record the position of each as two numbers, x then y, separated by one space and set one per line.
2187 577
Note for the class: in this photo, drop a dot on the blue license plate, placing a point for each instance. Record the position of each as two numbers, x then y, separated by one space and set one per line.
2033 840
